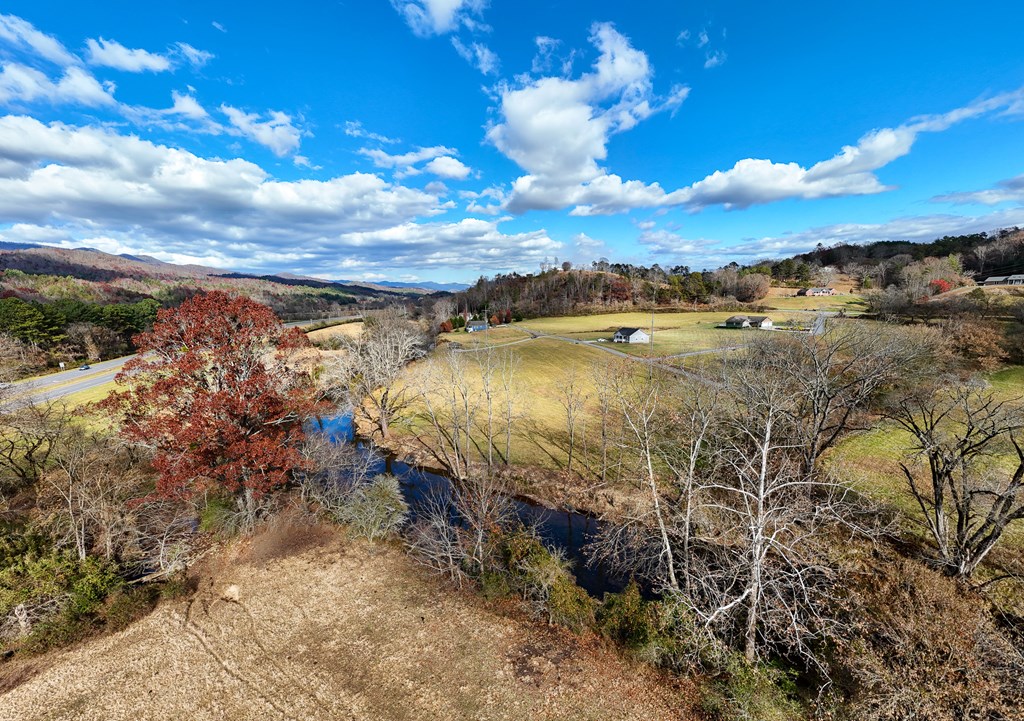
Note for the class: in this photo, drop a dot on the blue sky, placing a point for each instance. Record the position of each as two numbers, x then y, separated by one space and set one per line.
444 139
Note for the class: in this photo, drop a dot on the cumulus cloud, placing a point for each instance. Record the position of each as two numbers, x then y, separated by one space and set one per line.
112 54
439 17
76 186
23 35
276 133
850 172
557 129
448 167
1006 191
478 55
187 106
22 84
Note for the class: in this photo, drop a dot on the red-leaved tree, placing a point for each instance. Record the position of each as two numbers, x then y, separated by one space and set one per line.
214 392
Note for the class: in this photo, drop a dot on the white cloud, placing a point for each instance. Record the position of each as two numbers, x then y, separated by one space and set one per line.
584 243
671 247
850 172
713 60
1006 191
478 55
439 17
448 167
112 54
277 133
557 129
75 186
355 129
187 106
542 61
494 193
385 160
193 56
218 26
683 36
22 84
22 34
301 161
702 38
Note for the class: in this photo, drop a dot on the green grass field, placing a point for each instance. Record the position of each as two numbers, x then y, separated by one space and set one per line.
494 336
674 333
848 303
539 437
1009 382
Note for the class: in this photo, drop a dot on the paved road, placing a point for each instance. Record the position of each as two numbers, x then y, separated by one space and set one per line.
59 385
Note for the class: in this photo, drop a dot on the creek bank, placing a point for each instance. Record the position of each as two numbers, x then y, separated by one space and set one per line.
555 490
568 530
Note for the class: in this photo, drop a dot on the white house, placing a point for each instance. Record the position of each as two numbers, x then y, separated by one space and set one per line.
761 321
475 326
737 321
631 335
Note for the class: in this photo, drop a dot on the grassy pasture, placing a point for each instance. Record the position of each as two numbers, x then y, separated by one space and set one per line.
493 336
848 303
348 330
870 459
539 436
674 333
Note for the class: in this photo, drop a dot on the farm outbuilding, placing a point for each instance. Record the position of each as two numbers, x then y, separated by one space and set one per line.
761 321
1005 280
631 335
737 321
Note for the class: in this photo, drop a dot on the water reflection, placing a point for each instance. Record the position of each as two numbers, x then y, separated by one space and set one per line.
565 530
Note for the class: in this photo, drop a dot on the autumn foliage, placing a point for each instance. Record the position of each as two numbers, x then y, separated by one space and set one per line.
212 391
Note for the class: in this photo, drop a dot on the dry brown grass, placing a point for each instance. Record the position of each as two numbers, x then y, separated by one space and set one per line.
340 630
348 330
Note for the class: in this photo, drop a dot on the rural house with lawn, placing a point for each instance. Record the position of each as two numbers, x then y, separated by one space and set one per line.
475 326
816 291
631 335
737 321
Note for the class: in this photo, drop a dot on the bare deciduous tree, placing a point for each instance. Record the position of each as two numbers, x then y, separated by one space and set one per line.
373 364
639 396
967 499
760 577
573 399
508 370
835 377
29 435
449 405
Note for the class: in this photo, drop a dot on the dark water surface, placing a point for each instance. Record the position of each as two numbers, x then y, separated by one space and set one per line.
566 530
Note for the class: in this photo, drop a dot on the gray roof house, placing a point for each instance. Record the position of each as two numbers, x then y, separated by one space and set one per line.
476 325
737 321
760 321
1005 280
631 335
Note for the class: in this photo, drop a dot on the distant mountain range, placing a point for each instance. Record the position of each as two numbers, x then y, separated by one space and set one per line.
423 285
93 264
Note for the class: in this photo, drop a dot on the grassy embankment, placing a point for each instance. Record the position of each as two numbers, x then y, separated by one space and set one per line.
870 460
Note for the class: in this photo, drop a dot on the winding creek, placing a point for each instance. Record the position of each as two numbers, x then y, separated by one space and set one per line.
568 531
